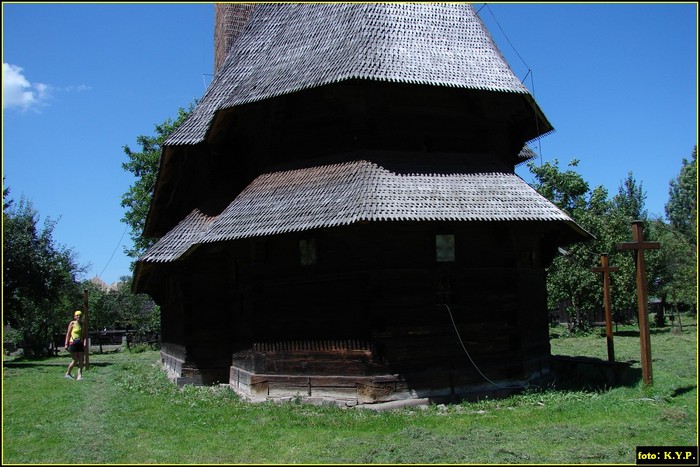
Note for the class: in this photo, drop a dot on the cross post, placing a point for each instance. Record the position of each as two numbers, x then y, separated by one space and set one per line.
639 245
606 270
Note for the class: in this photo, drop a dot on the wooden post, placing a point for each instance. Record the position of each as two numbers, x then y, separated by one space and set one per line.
87 329
639 245
606 270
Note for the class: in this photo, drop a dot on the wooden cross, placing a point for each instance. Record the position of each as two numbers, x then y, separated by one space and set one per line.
606 270
639 245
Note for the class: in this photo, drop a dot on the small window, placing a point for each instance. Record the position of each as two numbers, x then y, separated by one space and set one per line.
445 248
307 251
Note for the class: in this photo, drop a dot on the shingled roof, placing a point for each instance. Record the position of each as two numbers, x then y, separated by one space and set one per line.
344 193
178 240
285 48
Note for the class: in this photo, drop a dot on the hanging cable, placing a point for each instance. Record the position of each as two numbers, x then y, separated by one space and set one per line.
529 73
506 37
470 357
99 276
537 122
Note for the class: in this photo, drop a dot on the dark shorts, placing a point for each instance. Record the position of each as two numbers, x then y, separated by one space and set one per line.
76 347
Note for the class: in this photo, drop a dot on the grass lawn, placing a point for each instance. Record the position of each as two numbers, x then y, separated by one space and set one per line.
127 412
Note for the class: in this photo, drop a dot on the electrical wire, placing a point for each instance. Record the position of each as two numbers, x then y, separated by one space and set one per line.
506 37
99 276
529 73
472 360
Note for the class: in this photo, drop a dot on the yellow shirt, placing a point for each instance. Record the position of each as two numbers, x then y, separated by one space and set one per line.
76 330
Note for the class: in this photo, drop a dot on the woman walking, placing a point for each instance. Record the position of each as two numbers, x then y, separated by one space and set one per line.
75 343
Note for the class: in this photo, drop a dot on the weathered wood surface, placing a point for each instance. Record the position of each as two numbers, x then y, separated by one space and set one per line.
258 308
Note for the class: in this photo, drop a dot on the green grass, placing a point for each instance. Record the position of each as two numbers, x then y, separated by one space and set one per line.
127 412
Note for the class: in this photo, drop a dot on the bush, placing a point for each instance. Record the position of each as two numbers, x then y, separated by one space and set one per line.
139 348
660 320
12 336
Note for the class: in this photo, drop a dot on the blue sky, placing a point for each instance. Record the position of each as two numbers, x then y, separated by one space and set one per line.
80 81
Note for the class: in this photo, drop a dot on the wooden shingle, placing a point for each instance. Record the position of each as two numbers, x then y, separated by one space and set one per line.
286 48
340 194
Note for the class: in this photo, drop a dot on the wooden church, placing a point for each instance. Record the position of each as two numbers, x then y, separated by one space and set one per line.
339 218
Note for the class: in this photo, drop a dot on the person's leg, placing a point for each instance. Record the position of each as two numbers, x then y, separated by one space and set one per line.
74 360
81 357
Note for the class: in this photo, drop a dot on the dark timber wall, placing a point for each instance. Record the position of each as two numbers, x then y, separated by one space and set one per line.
375 303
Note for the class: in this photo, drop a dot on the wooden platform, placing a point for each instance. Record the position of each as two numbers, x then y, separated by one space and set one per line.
351 391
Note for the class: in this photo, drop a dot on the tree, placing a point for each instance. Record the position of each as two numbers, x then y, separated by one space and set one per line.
137 312
567 281
677 259
681 208
630 199
677 273
101 308
40 290
569 277
629 203
119 308
144 166
6 201
565 189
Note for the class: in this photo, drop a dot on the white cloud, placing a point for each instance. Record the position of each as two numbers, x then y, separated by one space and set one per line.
18 92
78 88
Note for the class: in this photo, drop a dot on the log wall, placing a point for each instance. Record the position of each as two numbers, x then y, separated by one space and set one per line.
414 316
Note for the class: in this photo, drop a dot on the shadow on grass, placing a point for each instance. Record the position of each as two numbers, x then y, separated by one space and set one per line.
31 363
588 373
683 390
62 359
654 331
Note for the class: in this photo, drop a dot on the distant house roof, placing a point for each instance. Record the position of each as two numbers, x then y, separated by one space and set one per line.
344 193
285 48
